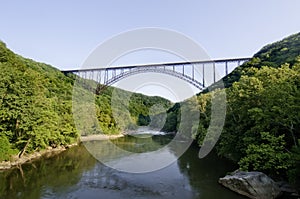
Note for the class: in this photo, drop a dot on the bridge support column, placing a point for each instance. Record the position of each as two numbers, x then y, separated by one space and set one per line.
226 68
214 71
193 72
203 80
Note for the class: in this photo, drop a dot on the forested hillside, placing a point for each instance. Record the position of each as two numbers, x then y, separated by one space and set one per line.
262 127
36 107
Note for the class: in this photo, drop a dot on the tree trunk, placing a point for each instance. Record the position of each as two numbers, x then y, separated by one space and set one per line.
24 149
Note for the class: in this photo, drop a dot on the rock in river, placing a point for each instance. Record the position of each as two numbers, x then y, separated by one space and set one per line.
254 185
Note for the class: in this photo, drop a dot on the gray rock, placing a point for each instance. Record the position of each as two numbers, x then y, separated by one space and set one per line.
254 185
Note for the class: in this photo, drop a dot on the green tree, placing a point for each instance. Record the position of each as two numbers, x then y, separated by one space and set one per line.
268 155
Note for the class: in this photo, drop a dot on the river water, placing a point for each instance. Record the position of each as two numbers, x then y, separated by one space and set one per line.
76 174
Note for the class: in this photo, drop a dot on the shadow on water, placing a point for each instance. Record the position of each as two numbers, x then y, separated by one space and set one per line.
76 174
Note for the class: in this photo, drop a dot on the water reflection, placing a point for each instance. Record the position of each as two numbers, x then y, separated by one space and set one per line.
76 174
34 179
203 174
138 153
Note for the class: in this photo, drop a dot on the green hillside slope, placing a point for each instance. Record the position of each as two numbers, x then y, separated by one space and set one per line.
36 107
273 55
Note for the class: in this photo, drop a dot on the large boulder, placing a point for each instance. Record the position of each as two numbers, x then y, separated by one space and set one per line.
254 185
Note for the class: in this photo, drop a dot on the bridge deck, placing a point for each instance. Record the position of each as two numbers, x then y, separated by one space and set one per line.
160 64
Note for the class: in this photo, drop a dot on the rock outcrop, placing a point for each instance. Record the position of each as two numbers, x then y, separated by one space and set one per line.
254 185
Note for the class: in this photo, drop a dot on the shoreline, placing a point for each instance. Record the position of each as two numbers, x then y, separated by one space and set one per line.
26 158
15 161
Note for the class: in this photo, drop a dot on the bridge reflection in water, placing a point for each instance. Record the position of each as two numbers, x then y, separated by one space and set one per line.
200 74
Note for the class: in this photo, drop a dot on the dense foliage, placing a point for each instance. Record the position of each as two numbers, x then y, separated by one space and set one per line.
35 101
36 107
263 124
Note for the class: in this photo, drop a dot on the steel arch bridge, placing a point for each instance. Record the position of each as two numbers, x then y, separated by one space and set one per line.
195 73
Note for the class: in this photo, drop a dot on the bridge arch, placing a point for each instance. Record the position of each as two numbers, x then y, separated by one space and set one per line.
140 70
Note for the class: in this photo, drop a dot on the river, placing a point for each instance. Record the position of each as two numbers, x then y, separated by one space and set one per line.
76 174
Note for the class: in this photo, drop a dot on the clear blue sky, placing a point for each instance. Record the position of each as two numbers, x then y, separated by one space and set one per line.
63 33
